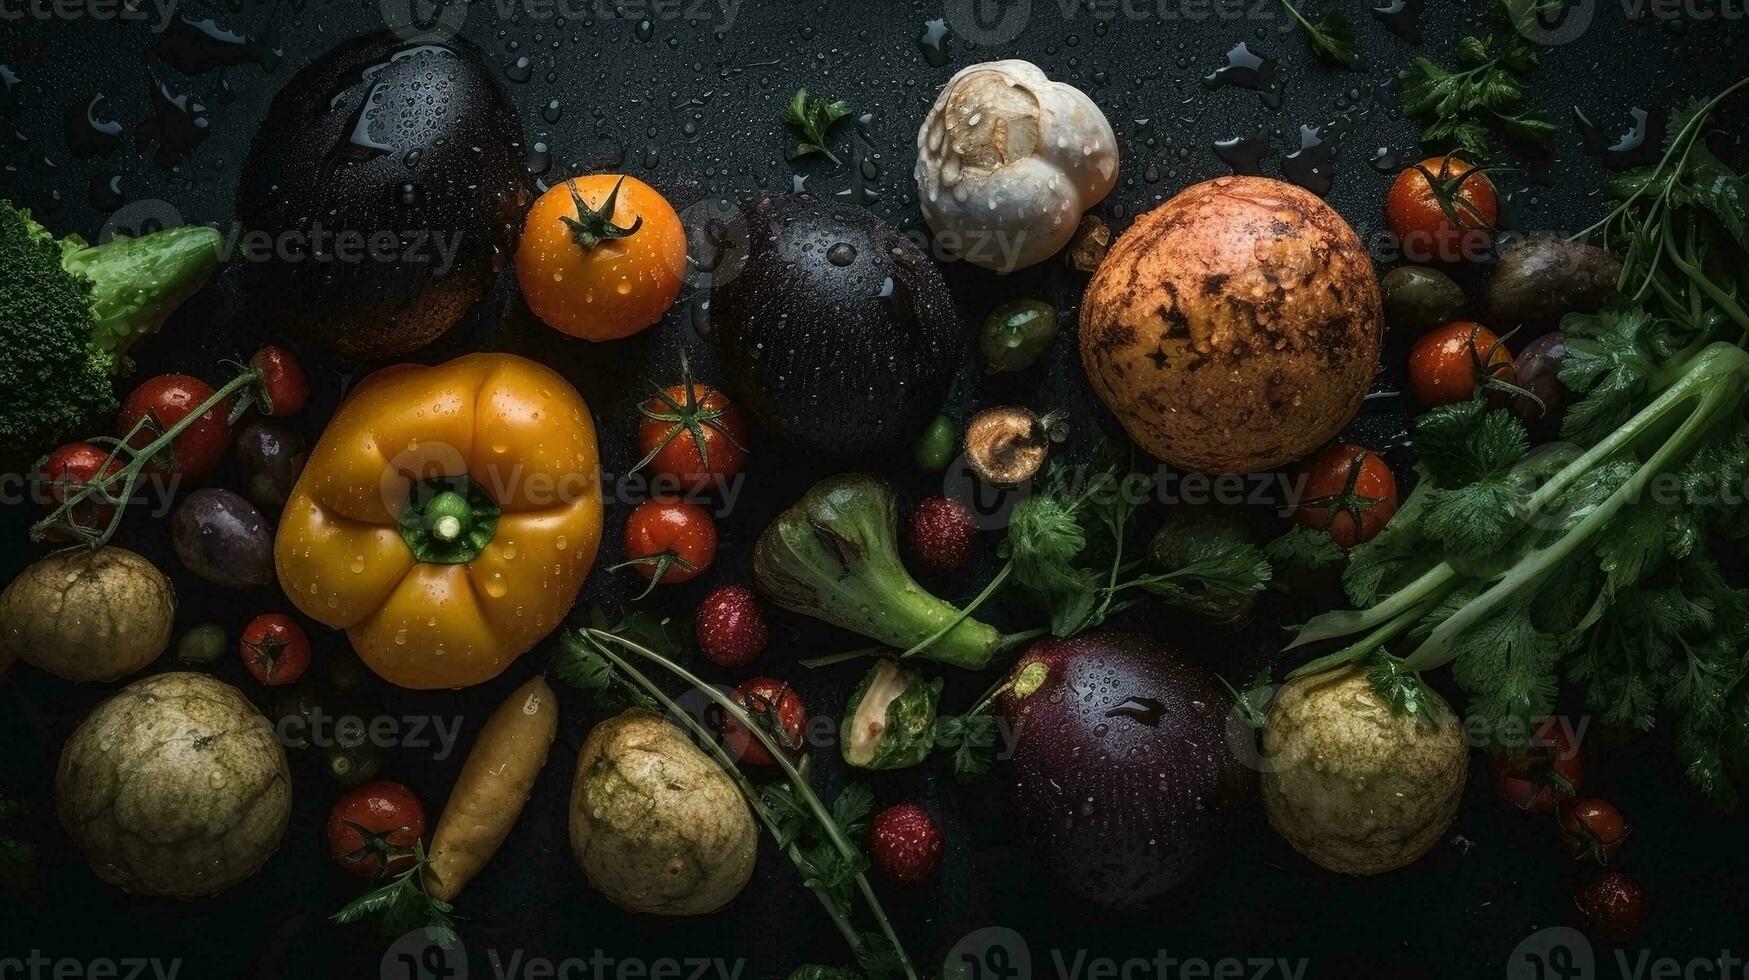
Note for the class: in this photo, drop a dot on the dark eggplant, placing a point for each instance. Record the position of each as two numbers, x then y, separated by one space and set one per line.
269 457
414 155
837 333
1541 279
1537 373
1120 765
222 538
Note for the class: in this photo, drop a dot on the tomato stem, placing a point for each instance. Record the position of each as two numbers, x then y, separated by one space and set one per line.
592 226
118 487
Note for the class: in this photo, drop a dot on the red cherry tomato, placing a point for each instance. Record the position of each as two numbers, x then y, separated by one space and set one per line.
64 473
1593 828
1442 209
698 439
777 708
275 649
1349 493
1445 365
166 400
373 829
670 540
1549 769
282 379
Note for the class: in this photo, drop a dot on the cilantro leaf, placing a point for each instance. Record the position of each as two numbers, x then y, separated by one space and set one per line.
1402 688
1303 548
815 118
1609 361
971 739
1460 108
1468 441
1331 36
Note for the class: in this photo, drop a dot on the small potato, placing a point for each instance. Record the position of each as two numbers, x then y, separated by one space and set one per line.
657 826
1418 298
88 615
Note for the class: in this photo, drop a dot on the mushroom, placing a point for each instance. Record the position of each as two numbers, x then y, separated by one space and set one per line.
1007 163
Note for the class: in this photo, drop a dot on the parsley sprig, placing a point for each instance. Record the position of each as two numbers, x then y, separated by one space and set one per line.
1331 36
815 117
401 904
1463 106
1593 562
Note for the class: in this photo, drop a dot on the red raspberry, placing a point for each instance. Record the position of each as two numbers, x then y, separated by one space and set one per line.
941 534
1614 905
731 628
905 843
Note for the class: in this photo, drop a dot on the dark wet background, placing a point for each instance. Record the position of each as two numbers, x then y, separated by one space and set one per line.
689 102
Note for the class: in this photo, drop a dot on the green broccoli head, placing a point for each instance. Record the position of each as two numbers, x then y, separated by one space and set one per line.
71 311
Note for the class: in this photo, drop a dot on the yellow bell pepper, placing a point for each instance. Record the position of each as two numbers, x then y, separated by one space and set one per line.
446 518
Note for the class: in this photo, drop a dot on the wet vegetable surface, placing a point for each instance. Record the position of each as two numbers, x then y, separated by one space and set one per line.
698 118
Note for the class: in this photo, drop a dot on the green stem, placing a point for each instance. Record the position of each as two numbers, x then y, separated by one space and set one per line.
128 477
1377 639
834 834
964 614
1685 134
1704 384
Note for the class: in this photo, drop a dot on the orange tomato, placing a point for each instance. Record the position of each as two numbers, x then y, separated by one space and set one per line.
601 257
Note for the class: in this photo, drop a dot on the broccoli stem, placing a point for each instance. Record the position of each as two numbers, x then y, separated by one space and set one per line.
137 282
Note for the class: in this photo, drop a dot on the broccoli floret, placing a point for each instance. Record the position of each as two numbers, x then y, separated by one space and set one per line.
70 311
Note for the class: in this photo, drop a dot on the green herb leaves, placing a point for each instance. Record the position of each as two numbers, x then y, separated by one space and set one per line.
401 904
828 870
814 117
1461 108
1331 36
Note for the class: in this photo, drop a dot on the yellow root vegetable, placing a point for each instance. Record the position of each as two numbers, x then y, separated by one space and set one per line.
495 782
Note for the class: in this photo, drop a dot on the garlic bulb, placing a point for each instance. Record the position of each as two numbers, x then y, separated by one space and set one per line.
1008 161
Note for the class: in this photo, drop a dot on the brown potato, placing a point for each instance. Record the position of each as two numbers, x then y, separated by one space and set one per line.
1235 327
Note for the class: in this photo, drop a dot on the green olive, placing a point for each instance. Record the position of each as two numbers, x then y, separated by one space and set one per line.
1016 334
935 446
203 644
1418 298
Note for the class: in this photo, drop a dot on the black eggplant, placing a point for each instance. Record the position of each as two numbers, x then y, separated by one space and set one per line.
836 332
380 195
1120 766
